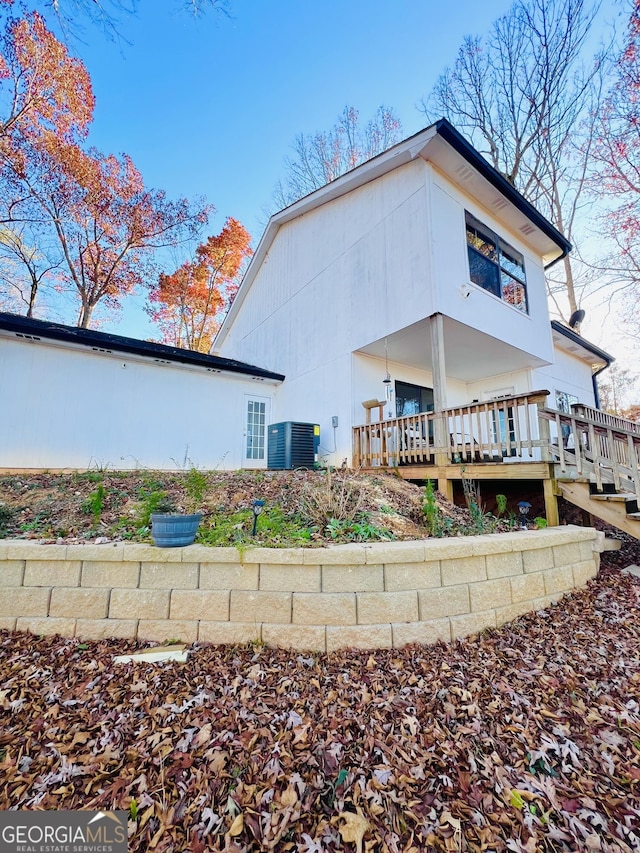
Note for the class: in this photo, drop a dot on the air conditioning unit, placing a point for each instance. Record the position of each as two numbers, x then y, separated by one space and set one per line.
292 445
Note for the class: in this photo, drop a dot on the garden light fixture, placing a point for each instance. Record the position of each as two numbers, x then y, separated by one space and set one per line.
523 509
257 508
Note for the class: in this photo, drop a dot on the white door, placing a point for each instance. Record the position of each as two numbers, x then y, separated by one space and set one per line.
256 419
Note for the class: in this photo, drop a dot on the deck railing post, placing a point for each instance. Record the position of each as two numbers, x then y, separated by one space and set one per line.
544 432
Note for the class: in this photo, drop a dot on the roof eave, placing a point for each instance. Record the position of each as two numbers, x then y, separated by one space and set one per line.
577 339
102 340
455 139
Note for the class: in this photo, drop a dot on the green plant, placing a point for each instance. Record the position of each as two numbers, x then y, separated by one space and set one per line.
133 809
356 531
157 501
481 521
276 529
501 502
89 476
540 522
40 522
431 510
94 504
6 516
196 484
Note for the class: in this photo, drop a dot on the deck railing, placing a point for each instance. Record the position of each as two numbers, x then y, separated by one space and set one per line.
595 444
604 418
475 432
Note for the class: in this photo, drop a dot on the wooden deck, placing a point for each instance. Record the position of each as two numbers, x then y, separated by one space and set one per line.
509 438
473 471
477 433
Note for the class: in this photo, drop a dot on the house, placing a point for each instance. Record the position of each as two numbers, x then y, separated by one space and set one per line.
77 398
402 308
406 304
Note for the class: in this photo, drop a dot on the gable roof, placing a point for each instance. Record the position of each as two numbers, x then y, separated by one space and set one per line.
30 329
442 145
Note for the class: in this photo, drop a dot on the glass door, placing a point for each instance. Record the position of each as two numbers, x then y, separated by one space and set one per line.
255 431
412 399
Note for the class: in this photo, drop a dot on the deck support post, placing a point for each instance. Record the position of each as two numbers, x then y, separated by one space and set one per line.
549 483
440 428
551 502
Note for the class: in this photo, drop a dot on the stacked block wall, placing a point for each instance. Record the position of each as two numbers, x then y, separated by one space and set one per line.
360 595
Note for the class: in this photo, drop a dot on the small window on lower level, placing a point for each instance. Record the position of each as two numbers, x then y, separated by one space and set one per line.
564 401
494 265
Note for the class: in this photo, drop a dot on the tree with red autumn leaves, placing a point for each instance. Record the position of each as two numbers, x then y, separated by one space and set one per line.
91 209
44 89
188 303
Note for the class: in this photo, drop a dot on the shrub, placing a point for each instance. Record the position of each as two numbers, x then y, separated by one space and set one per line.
336 497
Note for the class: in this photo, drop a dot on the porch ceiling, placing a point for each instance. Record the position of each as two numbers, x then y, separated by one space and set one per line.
469 354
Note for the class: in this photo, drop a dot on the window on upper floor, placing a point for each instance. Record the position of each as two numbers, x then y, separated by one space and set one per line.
495 265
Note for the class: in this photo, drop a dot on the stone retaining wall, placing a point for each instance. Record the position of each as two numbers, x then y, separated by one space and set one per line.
360 595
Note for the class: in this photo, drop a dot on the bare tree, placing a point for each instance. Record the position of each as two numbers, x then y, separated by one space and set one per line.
323 156
615 388
72 16
24 268
526 97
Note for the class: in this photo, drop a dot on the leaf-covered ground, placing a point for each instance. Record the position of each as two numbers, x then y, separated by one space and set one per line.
525 738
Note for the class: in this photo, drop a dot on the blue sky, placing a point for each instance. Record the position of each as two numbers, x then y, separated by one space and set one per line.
210 106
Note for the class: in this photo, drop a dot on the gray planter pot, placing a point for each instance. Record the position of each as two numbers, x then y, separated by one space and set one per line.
169 530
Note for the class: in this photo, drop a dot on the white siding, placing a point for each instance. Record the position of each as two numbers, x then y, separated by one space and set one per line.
361 267
568 374
339 277
73 408
481 310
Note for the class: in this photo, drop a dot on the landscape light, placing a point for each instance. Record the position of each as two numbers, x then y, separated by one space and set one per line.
523 509
257 507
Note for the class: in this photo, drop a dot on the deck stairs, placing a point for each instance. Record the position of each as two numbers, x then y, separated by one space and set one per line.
620 509
597 465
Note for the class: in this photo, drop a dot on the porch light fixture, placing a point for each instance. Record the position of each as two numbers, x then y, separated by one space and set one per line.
257 507
523 509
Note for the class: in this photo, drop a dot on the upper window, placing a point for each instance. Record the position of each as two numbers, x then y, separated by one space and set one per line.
495 265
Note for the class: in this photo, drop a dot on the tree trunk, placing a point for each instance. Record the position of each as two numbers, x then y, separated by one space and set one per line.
570 287
84 317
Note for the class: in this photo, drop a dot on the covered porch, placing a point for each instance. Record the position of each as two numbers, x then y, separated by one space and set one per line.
501 439
476 412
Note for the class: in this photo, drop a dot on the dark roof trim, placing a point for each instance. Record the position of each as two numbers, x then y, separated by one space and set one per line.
103 340
448 132
578 339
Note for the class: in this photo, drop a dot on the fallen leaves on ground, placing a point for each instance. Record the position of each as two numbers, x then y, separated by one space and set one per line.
521 739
